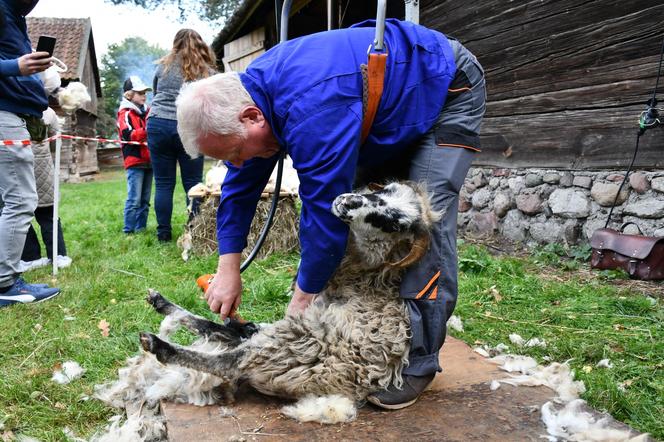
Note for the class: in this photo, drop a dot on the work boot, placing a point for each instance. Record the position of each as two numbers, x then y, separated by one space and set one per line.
395 399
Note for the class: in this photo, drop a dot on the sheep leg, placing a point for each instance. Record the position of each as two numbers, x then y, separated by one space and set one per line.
223 365
232 332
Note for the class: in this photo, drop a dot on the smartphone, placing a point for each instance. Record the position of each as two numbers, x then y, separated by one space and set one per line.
46 43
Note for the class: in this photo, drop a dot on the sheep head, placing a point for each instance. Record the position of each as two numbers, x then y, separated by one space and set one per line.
386 218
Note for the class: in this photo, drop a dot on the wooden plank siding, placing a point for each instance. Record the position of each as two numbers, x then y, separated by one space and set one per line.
566 79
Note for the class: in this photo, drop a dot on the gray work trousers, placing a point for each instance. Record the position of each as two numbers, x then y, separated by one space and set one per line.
18 195
440 160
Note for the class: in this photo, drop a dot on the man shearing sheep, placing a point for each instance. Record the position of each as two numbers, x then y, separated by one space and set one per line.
304 97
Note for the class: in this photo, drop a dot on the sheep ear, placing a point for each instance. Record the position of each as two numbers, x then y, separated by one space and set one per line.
418 249
375 187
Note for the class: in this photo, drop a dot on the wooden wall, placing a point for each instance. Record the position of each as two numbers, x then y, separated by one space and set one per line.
566 79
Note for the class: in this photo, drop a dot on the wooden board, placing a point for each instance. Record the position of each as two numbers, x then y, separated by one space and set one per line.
566 80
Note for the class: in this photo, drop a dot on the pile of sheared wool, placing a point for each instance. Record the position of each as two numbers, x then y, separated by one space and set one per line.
559 377
571 423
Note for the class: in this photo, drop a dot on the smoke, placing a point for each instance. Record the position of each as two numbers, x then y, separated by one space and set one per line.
141 65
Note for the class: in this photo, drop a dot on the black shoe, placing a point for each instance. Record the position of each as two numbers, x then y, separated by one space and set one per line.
394 398
164 237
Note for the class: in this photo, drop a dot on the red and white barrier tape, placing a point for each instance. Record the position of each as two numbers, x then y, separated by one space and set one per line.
68 137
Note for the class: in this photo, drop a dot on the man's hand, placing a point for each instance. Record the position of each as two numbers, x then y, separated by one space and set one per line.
34 62
299 302
225 292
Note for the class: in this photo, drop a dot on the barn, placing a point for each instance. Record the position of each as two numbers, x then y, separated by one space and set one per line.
566 83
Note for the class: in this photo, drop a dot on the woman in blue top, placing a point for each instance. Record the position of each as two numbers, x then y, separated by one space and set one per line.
304 98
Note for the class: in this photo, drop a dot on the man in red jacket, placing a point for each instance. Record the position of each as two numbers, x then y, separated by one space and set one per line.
131 127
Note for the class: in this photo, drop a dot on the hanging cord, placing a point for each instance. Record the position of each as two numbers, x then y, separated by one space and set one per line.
649 118
282 31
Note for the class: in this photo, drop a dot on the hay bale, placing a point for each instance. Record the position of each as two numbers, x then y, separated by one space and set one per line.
200 236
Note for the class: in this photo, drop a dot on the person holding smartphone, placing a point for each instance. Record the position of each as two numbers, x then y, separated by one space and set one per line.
22 101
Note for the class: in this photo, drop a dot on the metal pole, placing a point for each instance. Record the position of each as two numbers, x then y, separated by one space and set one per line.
285 13
56 201
380 25
412 11
329 15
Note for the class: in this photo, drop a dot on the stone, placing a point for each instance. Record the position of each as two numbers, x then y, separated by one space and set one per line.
478 180
605 193
566 179
547 232
483 224
494 182
502 203
514 226
647 208
632 229
615 177
658 184
592 224
639 182
516 184
530 204
533 180
501 172
551 178
572 232
464 205
481 198
569 203
659 233
582 181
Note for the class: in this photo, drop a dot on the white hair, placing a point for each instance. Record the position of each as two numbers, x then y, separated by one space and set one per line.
211 106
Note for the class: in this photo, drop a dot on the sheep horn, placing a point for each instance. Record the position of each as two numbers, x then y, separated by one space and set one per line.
419 248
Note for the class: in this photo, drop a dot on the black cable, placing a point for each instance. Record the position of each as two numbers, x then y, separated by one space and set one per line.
270 215
651 104
613 206
280 171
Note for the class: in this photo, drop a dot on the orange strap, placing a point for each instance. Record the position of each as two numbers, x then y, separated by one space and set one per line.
375 83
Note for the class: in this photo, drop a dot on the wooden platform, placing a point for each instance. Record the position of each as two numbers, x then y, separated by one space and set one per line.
459 406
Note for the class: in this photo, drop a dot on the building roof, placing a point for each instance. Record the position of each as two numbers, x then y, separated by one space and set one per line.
74 37
242 13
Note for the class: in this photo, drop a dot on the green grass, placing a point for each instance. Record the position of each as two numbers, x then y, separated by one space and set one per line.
586 320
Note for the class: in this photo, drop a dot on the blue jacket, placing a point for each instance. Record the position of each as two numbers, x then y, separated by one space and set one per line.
310 90
18 94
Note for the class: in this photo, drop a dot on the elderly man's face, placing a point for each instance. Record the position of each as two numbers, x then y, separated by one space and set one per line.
258 143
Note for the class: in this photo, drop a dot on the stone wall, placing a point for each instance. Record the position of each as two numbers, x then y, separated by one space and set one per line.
538 206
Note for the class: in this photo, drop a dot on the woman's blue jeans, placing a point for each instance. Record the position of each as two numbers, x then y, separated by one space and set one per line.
137 206
166 151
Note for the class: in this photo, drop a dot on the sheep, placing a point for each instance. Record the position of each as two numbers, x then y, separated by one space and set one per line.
352 341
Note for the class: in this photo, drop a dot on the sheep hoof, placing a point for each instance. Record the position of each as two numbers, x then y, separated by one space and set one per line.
161 349
160 304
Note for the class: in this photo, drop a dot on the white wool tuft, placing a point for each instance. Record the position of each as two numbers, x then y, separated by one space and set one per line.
495 385
535 342
517 340
70 370
489 352
573 424
136 428
481 351
558 377
512 363
604 363
331 409
73 97
455 323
